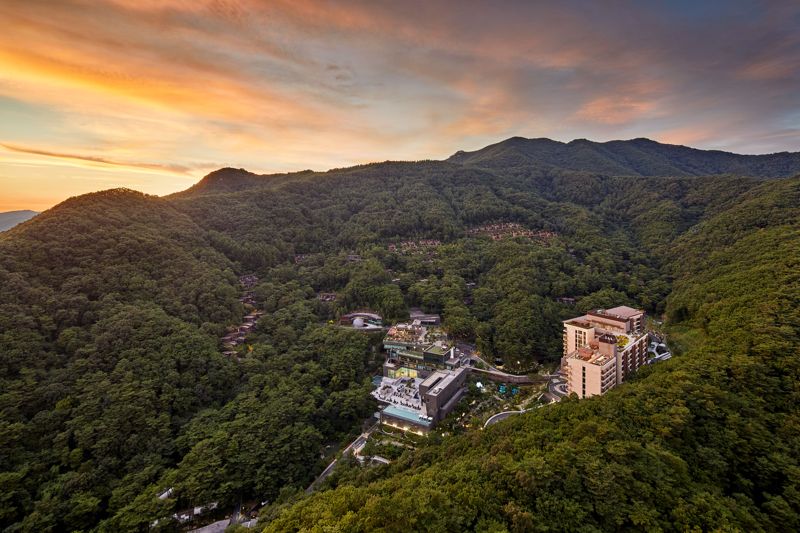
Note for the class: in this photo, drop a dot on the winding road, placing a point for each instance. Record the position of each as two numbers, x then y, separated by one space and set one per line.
360 441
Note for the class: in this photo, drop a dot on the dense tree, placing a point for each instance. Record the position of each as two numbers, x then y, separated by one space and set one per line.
113 386
706 441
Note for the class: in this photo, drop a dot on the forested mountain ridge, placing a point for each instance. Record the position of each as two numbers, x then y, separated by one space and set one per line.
113 387
636 157
547 158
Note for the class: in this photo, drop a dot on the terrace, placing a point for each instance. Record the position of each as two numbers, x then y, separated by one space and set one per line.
437 349
401 392
591 356
406 333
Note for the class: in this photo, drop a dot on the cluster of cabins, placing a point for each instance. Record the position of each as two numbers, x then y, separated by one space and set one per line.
248 282
186 515
503 230
415 247
236 336
350 258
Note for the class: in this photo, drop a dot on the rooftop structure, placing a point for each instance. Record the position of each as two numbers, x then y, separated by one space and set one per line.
362 320
602 348
424 319
248 298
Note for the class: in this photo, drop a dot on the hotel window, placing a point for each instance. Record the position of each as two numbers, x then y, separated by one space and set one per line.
580 338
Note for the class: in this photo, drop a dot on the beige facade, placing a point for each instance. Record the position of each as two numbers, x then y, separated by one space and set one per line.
602 348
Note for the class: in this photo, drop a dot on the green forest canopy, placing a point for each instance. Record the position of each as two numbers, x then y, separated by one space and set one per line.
113 387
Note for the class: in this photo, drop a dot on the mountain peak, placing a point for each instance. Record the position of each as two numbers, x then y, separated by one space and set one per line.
226 179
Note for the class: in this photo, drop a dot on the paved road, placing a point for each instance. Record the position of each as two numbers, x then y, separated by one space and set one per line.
360 441
557 386
494 419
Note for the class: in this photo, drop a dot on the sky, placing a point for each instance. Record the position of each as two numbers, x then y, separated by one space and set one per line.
154 94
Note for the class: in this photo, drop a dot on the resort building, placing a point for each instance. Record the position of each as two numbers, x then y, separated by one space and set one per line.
602 348
416 405
415 350
441 391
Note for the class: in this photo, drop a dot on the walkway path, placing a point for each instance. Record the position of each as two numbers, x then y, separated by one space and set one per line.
497 375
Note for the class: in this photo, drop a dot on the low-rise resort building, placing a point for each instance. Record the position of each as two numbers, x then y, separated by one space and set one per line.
416 350
415 404
602 348
423 377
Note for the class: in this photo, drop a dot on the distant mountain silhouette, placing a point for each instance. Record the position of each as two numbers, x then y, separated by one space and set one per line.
9 219
636 157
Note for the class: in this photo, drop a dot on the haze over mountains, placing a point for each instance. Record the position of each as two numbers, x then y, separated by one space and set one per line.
9 219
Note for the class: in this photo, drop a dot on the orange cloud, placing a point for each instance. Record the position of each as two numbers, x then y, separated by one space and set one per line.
293 84
686 135
615 110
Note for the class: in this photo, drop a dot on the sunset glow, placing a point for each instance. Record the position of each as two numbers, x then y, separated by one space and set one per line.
152 95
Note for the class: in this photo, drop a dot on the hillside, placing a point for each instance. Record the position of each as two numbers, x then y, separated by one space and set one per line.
637 157
113 386
707 441
9 219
